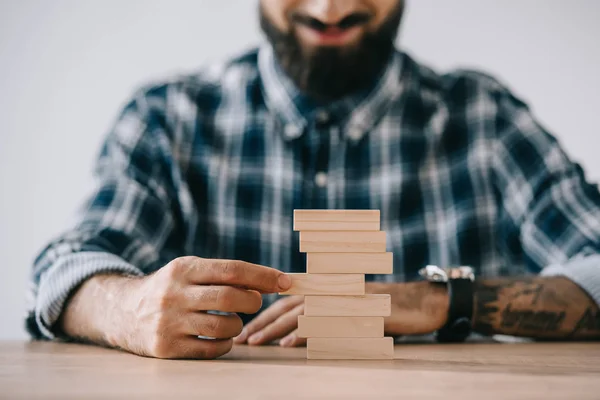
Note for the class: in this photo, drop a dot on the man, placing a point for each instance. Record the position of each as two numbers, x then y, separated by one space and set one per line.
191 223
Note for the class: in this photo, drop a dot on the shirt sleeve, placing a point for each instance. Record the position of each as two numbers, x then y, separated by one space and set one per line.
550 217
129 224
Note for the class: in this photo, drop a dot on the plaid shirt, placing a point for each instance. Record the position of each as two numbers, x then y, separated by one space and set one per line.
213 164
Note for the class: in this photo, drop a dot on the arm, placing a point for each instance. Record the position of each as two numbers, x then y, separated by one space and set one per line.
96 309
538 307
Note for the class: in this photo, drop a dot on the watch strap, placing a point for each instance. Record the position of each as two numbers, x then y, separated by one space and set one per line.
460 312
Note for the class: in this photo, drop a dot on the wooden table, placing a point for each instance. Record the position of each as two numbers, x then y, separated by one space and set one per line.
465 371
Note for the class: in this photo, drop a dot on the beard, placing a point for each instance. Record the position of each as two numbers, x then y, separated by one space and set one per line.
329 73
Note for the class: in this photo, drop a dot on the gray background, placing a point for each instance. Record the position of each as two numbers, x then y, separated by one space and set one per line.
67 66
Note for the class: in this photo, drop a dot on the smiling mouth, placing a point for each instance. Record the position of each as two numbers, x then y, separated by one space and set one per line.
346 23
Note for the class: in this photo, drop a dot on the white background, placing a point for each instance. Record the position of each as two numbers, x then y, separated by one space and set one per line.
67 66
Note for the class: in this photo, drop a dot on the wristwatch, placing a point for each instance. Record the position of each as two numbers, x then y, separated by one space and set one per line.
459 282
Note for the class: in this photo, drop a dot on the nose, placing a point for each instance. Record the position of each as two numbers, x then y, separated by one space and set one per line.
330 11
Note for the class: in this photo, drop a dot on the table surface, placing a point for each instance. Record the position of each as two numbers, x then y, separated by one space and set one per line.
30 370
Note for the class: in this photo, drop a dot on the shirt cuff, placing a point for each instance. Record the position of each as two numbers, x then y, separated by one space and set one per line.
584 271
68 272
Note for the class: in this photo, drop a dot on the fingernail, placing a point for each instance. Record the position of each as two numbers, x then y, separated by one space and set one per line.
241 338
255 338
287 341
284 282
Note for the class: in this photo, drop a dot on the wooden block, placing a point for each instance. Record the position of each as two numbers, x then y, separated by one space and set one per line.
342 242
350 348
370 305
340 327
327 284
337 220
349 263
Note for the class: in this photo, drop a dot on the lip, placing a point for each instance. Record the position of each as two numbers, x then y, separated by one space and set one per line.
330 36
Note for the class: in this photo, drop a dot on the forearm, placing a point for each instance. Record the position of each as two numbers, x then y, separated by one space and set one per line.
539 307
96 310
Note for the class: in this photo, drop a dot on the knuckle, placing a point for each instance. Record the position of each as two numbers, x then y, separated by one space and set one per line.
213 326
196 326
229 271
280 320
174 268
282 305
225 298
180 269
209 296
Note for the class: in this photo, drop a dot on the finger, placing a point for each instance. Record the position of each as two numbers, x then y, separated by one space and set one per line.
281 327
221 298
188 347
268 316
292 340
211 325
235 273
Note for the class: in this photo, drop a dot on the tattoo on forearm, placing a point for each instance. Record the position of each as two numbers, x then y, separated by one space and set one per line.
531 320
535 290
535 307
486 308
589 322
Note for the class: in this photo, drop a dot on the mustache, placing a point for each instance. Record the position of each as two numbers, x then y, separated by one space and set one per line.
354 19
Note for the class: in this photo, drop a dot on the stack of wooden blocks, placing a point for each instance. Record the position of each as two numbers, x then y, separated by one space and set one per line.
340 321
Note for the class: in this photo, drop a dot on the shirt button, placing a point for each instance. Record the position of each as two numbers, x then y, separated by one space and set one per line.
321 179
292 131
355 133
322 117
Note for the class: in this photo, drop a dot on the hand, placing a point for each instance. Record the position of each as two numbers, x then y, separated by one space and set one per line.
279 321
162 315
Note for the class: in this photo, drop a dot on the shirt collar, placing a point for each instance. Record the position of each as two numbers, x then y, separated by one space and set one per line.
358 113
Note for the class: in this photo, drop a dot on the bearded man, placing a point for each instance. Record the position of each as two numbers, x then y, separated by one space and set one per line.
187 239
